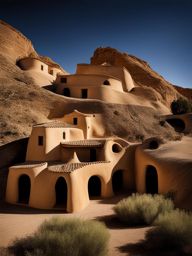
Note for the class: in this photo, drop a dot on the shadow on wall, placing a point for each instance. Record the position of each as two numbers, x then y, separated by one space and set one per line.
11 153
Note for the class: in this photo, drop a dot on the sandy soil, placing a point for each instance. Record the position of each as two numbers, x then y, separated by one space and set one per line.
17 221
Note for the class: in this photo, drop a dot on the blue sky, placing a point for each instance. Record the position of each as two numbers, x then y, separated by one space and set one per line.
158 31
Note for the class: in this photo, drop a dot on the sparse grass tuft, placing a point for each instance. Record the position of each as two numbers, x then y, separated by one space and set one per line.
64 237
142 209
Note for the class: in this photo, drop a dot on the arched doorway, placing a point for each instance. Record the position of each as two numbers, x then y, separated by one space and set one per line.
117 182
61 193
24 187
94 187
66 92
151 180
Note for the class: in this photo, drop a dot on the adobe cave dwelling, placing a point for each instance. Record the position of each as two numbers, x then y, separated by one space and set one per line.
94 81
70 161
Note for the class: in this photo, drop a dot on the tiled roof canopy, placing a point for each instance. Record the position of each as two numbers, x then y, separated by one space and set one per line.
83 143
69 167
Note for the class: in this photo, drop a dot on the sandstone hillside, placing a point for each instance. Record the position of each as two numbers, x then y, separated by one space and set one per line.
24 103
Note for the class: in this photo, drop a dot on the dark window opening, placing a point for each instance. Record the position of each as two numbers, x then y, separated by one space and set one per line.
106 82
151 180
61 193
63 80
117 182
116 148
64 135
24 188
84 93
177 124
94 187
66 92
75 121
153 144
40 140
93 155
51 72
42 67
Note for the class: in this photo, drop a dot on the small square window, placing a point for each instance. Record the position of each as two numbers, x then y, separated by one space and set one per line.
40 140
64 136
64 80
42 67
75 120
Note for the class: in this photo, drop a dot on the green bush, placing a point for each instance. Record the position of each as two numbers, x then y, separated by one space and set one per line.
64 237
181 106
173 231
142 209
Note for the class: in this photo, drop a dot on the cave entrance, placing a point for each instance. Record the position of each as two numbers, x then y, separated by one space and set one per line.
177 124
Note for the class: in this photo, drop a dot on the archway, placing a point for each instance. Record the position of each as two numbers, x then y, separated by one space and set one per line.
151 180
61 193
117 182
177 124
94 187
66 92
24 187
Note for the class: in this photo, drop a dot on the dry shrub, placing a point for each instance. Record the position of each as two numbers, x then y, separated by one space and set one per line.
64 237
142 209
173 232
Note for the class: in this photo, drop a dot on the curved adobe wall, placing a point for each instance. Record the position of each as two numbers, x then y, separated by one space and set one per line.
33 64
87 81
119 72
13 178
129 84
173 175
53 71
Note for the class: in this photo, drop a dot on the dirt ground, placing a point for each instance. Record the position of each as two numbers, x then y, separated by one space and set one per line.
18 221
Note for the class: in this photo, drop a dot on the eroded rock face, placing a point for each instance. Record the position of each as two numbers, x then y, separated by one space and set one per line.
140 71
13 43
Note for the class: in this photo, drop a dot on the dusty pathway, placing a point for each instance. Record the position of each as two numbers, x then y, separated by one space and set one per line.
19 221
